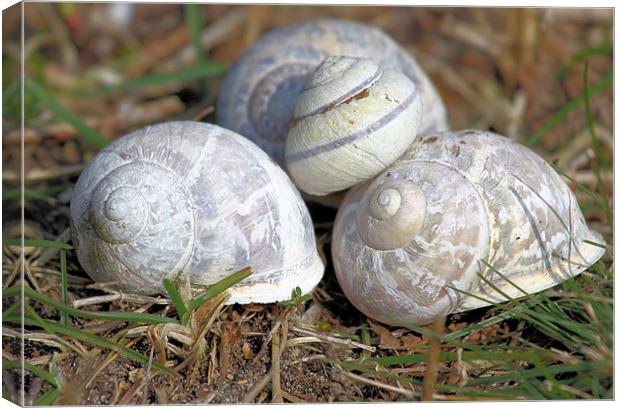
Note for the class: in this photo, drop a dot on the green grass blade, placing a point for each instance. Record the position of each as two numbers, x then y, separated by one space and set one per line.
207 70
594 196
117 316
35 317
494 287
10 91
604 48
63 113
596 144
449 356
64 294
92 339
5 395
218 288
504 277
578 368
476 326
569 107
40 243
30 195
193 18
12 309
176 298
38 371
48 398
596 244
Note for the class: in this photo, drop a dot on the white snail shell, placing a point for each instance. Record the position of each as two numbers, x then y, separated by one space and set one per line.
189 197
352 120
453 204
261 89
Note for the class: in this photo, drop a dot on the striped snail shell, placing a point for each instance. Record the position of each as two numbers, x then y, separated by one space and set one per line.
260 90
409 245
192 198
351 121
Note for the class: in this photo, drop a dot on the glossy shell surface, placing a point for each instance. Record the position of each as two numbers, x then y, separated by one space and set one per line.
488 205
259 93
194 198
352 120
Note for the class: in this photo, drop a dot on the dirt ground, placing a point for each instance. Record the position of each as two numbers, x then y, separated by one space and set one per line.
507 70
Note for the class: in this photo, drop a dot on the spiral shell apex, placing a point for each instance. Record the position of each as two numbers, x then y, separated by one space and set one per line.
473 203
351 121
192 198
259 93
391 213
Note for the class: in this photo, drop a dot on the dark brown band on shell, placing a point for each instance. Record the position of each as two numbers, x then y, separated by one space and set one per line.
351 94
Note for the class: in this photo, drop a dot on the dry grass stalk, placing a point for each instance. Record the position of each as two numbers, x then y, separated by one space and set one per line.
47 339
408 393
334 340
39 175
292 398
203 113
49 253
122 297
147 381
432 362
257 388
212 35
160 49
276 389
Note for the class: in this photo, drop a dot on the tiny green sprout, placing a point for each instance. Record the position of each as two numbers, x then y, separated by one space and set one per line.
297 299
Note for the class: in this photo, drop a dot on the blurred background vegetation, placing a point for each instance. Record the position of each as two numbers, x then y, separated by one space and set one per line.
95 71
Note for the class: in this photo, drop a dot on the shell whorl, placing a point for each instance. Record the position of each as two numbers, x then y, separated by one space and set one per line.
391 213
336 80
491 205
352 121
141 217
433 241
260 90
272 102
192 198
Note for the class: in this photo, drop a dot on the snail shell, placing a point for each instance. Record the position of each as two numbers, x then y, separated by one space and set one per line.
189 197
352 120
455 203
260 90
